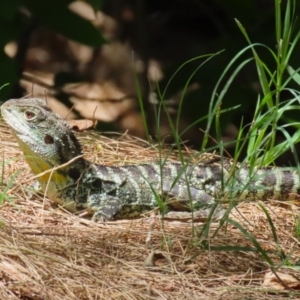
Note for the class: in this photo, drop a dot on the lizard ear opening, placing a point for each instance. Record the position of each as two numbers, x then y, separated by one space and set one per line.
74 174
48 139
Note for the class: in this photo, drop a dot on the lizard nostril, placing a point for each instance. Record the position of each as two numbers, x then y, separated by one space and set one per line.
48 139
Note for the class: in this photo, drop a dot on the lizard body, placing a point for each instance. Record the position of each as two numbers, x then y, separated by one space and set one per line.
113 192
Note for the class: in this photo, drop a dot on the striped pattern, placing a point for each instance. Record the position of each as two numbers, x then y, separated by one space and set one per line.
129 191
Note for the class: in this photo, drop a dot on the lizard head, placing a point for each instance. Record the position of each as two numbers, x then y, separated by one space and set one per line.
41 134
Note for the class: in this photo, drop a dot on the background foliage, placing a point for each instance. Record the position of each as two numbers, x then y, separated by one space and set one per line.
169 32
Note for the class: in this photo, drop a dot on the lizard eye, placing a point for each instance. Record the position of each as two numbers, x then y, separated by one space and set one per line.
29 115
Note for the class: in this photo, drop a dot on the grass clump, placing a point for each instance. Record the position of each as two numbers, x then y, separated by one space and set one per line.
257 143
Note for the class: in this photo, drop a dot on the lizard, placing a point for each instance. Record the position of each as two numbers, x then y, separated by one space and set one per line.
124 192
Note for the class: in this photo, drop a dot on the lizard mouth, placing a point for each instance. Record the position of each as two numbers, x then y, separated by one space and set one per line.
14 119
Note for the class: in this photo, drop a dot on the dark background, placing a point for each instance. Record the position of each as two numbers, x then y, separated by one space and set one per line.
85 58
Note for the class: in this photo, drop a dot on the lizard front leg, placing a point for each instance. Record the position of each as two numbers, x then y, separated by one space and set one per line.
105 206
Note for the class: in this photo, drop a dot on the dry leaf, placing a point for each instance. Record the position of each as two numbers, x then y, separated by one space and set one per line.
273 282
80 125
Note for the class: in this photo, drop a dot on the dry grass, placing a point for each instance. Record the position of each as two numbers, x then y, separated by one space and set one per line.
48 253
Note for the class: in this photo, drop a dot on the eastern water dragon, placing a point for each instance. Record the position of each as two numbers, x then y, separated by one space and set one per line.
114 192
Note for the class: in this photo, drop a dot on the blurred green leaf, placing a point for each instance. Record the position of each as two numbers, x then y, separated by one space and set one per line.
8 32
63 78
96 4
8 9
56 16
8 74
293 74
